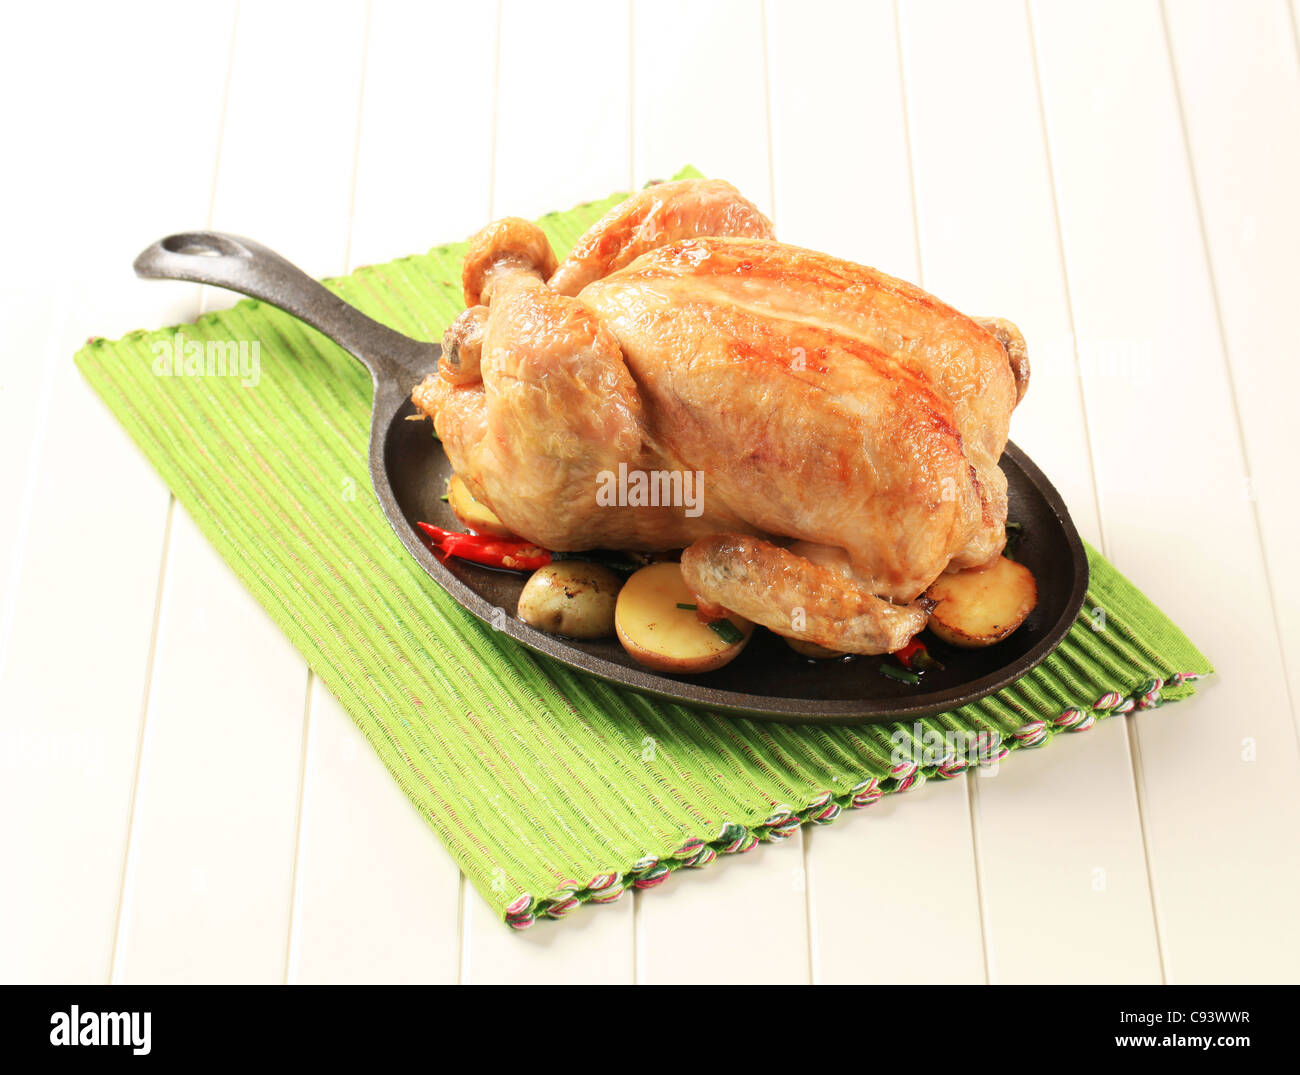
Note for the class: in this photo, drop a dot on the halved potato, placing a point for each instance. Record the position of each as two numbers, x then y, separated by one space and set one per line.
571 597
473 515
661 636
982 605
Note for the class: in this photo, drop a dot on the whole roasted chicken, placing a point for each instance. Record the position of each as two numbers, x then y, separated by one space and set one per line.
845 427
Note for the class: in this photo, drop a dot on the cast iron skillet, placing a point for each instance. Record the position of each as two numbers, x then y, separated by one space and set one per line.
768 680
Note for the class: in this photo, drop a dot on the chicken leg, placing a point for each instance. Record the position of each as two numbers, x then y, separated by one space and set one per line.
797 597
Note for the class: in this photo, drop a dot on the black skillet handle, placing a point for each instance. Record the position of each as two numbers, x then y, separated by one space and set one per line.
229 261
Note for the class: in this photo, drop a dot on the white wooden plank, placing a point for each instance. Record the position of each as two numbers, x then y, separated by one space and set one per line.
1063 868
989 245
986 216
560 137
894 893
81 538
209 869
853 196
562 107
364 853
289 140
71 691
699 93
840 155
376 896
593 946
1240 94
742 920
1218 776
424 176
699 97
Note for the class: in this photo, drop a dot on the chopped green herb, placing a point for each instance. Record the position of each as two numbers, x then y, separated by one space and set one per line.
1015 532
689 608
727 631
900 674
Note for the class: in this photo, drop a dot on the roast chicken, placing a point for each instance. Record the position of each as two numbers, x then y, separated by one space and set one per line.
844 427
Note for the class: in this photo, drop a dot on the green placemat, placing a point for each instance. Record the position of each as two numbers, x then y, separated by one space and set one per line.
549 788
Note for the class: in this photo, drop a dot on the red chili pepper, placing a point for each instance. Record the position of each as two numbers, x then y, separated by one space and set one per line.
909 651
486 549
916 657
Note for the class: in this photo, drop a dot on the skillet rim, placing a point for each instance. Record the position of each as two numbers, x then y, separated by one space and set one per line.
392 405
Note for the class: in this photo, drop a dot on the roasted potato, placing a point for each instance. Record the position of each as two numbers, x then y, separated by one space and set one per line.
662 636
473 515
571 597
982 605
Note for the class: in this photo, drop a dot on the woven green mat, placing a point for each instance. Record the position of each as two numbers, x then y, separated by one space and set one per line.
549 788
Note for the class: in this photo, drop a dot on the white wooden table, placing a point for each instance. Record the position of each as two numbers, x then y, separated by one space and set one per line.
1121 179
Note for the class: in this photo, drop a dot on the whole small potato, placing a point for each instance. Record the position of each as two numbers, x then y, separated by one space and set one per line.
571 597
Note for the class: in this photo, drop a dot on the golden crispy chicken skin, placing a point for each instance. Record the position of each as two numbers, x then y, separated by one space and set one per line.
659 215
824 404
797 597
